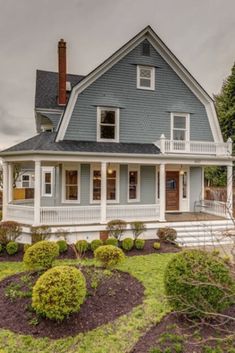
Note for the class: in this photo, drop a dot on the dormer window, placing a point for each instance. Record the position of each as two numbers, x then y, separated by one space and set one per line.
107 124
146 77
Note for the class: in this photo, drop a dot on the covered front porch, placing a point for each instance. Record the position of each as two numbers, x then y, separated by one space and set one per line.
89 192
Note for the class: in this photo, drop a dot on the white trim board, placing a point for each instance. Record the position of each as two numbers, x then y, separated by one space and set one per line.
168 56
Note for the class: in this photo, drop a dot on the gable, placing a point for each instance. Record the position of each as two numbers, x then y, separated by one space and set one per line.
117 71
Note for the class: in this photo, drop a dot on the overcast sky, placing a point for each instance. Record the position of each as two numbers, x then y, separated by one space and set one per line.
201 33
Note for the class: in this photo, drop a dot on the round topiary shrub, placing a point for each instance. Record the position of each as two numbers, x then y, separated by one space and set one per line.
26 247
59 292
139 244
109 255
198 284
63 246
82 246
127 244
167 234
41 255
95 244
157 245
111 241
12 247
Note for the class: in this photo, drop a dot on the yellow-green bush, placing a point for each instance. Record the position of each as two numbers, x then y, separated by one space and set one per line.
109 255
111 241
139 244
95 244
63 246
59 292
82 246
41 255
12 247
199 284
156 245
127 244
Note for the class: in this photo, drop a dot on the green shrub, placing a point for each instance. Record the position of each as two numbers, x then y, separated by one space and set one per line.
137 228
12 247
167 234
95 244
82 246
109 255
9 231
139 244
156 245
40 233
197 283
127 244
111 241
1 248
63 246
116 228
59 292
41 255
26 247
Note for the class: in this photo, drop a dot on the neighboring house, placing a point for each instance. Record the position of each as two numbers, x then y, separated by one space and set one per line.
128 141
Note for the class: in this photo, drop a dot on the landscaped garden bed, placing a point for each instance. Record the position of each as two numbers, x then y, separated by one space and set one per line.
110 294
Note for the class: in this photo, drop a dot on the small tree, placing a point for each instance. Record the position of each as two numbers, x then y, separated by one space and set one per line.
116 228
9 231
137 228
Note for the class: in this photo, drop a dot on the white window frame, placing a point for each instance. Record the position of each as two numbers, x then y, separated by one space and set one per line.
134 168
44 171
152 78
187 125
115 167
117 118
76 167
22 181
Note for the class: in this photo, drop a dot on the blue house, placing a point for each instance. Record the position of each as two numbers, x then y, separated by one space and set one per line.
128 141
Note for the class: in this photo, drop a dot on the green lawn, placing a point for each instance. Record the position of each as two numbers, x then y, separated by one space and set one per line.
116 337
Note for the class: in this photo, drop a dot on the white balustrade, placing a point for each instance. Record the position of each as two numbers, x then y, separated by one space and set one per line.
217 208
195 147
133 212
70 215
20 213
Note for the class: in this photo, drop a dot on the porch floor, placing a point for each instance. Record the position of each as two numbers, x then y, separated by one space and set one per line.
191 216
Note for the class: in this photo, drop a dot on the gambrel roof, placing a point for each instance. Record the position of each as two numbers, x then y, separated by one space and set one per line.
168 56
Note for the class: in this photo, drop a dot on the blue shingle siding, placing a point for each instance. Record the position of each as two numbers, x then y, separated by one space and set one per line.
144 114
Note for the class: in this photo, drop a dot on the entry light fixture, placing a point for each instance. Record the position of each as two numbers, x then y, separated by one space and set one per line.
181 171
109 169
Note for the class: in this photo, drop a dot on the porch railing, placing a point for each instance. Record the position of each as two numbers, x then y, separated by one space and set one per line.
217 208
20 213
195 147
133 212
70 215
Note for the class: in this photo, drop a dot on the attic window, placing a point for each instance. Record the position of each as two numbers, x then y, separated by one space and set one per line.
146 77
146 49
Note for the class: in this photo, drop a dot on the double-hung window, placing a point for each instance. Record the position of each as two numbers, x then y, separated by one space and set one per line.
179 130
146 77
71 192
25 181
47 181
107 124
133 184
111 181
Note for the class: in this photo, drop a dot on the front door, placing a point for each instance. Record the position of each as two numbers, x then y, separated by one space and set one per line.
172 191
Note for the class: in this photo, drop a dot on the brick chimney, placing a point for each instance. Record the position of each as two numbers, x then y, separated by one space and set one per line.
62 72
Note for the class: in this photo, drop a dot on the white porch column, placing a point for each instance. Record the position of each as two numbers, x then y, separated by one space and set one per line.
5 181
10 183
230 188
103 200
162 191
37 193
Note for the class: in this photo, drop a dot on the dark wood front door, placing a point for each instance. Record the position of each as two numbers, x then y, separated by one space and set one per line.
172 191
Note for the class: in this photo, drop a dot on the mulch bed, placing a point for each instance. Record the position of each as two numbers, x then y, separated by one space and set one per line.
148 249
117 293
193 339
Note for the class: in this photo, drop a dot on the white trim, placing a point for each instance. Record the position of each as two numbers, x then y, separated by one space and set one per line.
45 170
116 126
133 168
76 167
96 166
203 183
162 193
187 125
168 56
37 192
152 77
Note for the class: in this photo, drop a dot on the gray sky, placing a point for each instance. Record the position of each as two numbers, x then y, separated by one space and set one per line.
201 33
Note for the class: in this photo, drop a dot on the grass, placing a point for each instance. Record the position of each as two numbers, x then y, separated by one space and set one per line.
116 337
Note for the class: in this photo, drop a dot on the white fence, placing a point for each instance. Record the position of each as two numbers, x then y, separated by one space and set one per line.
133 212
195 147
217 208
20 213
